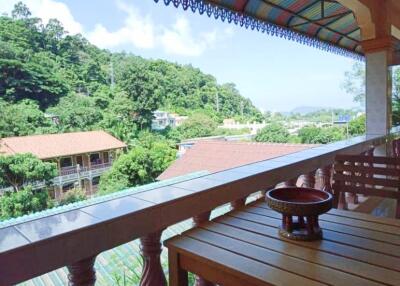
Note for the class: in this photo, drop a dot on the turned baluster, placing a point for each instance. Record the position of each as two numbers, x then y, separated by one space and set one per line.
309 180
237 204
290 183
325 173
82 273
197 220
152 273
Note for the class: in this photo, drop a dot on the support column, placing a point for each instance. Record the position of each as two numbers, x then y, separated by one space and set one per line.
378 93
309 180
325 173
235 205
151 248
82 273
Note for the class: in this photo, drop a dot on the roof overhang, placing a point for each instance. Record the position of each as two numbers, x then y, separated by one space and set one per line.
336 26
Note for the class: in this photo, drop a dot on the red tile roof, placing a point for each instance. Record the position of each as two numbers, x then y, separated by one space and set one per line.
58 145
214 156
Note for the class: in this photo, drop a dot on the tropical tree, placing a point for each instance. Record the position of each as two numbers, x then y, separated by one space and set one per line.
23 202
22 118
197 125
23 169
320 135
77 112
274 132
357 125
141 165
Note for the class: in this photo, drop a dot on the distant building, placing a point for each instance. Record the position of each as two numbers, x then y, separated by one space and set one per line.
163 119
218 155
81 157
232 124
54 118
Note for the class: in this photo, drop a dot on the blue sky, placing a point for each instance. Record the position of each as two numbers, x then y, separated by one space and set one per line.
276 74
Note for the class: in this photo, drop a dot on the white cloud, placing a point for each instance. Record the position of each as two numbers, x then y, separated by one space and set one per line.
179 40
140 31
137 30
47 9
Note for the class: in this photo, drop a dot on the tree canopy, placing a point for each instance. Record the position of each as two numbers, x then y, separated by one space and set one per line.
20 169
321 135
148 158
273 132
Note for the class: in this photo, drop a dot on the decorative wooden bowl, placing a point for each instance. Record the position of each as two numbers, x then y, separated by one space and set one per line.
304 203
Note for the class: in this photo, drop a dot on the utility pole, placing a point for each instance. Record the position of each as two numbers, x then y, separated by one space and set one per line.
241 108
217 101
112 75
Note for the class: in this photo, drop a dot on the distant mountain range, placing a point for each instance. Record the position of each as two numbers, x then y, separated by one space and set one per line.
307 109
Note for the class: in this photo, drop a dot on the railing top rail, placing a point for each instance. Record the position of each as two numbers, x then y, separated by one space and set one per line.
27 248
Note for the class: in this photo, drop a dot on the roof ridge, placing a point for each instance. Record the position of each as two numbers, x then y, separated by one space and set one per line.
55 134
254 143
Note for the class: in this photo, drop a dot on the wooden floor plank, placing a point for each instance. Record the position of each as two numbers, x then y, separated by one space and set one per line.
288 263
255 223
337 227
228 262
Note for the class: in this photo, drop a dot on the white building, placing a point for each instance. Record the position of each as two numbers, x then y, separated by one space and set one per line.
163 119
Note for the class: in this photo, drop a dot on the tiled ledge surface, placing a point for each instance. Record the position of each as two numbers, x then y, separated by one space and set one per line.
43 242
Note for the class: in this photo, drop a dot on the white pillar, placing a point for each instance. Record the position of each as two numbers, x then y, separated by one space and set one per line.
378 93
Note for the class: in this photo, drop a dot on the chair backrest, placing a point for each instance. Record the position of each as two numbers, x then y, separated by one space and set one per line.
367 175
396 148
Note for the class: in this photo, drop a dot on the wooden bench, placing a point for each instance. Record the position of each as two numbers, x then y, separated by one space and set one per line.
243 248
375 177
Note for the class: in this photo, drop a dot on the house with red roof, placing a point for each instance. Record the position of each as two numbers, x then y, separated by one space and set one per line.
218 155
81 157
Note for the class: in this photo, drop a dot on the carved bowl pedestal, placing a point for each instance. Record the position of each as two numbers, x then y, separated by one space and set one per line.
300 208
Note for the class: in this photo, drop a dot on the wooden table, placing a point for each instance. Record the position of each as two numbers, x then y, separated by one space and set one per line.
243 248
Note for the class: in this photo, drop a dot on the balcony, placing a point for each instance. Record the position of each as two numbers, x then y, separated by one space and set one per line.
75 235
80 232
74 173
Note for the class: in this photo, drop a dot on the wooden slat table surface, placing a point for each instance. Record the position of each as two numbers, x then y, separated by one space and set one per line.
244 248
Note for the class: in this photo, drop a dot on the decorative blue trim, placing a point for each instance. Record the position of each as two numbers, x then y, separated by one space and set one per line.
247 21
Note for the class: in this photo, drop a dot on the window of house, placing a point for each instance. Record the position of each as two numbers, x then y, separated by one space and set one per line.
66 162
95 159
95 181
67 187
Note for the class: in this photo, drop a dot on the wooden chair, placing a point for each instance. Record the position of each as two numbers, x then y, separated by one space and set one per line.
366 175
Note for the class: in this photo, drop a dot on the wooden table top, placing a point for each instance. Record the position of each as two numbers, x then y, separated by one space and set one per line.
357 249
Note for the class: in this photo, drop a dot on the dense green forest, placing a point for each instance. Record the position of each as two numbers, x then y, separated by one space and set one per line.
44 70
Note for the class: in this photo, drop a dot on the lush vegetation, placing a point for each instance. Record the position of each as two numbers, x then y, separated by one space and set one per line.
20 171
25 201
141 165
273 132
47 74
48 71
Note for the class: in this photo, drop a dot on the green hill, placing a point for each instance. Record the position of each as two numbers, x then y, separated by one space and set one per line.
46 70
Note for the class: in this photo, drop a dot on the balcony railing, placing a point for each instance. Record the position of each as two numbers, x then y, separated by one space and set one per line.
79 169
77 235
